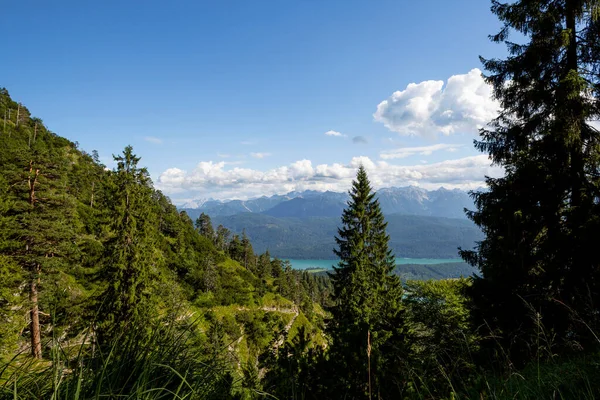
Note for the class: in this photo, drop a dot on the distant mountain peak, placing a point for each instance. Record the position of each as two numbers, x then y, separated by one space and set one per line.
197 203
407 200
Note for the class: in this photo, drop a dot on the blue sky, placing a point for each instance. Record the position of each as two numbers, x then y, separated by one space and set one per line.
234 98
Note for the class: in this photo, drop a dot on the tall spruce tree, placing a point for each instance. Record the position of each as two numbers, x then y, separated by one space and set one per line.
130 252
541 219
366 327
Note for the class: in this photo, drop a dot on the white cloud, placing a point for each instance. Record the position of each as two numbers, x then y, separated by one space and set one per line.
334 133
359 140
463 105
403 152
260 155
152 139
210 179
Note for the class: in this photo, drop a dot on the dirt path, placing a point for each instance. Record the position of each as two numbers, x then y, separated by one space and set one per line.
280 340
286 329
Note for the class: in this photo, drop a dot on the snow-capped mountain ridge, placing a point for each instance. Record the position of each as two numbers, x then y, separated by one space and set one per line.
409 200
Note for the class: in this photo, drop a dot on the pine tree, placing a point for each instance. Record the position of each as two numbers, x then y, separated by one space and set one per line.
204 226
264 266
540 219
367 297
222 238
129 253
248 258
235 249
12 302
40 226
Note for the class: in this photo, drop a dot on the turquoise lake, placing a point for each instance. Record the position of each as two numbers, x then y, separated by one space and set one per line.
326 264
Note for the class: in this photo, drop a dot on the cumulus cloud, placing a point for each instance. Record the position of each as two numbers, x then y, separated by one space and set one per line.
359 140
215 179
403 152
463 105
334 133
152 139
260 155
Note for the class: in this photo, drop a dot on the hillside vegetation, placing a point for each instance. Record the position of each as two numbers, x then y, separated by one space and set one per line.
97 263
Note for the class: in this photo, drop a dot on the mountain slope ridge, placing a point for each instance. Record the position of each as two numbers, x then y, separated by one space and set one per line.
412 236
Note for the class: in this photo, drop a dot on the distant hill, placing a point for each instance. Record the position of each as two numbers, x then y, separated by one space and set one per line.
327 204
423 272
405 200
437 271
313 237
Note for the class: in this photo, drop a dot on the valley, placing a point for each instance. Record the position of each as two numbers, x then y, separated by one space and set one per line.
411 236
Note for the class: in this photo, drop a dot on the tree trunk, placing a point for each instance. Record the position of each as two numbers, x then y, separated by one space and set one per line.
36 339
92 198
577 120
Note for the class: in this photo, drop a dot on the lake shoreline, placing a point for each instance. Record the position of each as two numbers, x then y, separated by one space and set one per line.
312 264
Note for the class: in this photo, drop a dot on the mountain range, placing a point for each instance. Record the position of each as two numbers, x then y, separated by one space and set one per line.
408 200
303 225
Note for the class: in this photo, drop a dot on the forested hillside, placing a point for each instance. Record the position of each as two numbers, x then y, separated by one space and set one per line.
411 236
95 261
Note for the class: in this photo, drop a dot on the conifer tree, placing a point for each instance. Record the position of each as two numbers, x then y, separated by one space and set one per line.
129 253
367 297
540 219
222 238
248 257
235 249
41 224
12 302
204 226
264 265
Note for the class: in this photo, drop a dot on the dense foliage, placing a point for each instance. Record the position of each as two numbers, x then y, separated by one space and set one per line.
541 221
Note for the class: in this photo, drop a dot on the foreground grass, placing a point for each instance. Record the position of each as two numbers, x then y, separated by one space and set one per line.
573 378
164 365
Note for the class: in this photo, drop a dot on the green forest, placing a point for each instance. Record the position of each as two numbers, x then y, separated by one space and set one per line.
107 291
411 236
